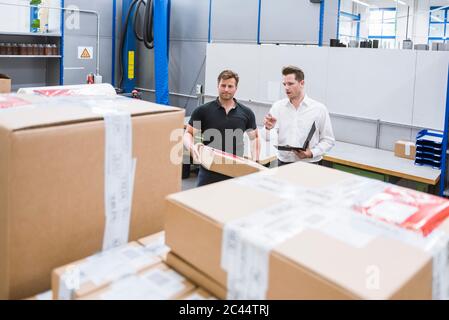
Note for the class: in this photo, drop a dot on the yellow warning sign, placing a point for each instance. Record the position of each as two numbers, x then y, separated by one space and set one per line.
131 57
85 54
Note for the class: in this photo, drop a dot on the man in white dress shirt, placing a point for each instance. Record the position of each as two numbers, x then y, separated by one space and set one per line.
293 119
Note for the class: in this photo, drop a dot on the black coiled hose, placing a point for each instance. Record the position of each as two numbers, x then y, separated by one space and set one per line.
147 34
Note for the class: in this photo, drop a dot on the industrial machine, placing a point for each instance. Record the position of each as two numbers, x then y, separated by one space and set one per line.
146 21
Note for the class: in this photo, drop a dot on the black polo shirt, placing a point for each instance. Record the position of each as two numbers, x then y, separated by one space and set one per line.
223 131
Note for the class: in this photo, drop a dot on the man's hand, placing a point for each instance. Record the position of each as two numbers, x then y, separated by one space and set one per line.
304 154
195 152
269 121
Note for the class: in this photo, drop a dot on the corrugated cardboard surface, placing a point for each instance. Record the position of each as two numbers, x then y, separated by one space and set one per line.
52 186
400 148
229 165
311 265
5 84
196 276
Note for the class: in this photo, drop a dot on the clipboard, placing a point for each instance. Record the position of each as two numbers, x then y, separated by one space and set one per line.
306 143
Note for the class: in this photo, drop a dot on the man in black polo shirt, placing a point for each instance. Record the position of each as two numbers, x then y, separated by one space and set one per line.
222 123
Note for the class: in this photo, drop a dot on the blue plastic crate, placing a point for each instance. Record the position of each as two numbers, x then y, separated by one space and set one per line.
429 138
429 145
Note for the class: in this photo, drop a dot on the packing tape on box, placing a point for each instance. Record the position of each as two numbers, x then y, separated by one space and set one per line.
119 168
157 246
104 267
248 241
408 148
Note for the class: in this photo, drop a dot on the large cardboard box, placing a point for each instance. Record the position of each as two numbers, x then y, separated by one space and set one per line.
228 164
196 276
5 84
324 247
85 276
405 149
52 181
157 283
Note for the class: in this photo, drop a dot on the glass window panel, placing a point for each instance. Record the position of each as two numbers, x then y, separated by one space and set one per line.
436 30
389 30
389 16
375 16
346 28
437 16
375 29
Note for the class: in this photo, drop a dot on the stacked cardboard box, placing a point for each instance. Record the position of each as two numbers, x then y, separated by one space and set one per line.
312 233
134 271
52 181
88 275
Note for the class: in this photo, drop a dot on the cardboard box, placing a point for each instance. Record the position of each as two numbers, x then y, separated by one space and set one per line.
157 283
82 277
330 257
155 244
228 164
5 84
196 276
52 182
405 149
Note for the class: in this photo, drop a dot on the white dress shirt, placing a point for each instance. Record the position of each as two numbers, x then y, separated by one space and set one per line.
293 126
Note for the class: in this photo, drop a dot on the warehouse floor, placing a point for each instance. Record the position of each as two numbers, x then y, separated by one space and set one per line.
189 183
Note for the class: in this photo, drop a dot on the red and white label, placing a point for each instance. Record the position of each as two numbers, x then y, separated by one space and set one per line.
409 209
54 92
11 101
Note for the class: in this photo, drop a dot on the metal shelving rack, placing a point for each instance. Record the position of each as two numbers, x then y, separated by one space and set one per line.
51 65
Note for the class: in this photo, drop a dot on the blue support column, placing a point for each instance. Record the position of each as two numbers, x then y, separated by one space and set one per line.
321 30
338 19
161 49
358 27
258 21
210 22
444 167
129 50
114 17
61 47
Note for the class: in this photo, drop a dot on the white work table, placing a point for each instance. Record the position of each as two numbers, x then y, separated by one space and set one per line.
381 161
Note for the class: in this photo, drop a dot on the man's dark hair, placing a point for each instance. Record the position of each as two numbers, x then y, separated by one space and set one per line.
228 74
299 74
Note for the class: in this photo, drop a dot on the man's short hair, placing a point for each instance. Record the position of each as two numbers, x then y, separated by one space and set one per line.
228 74
299 74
